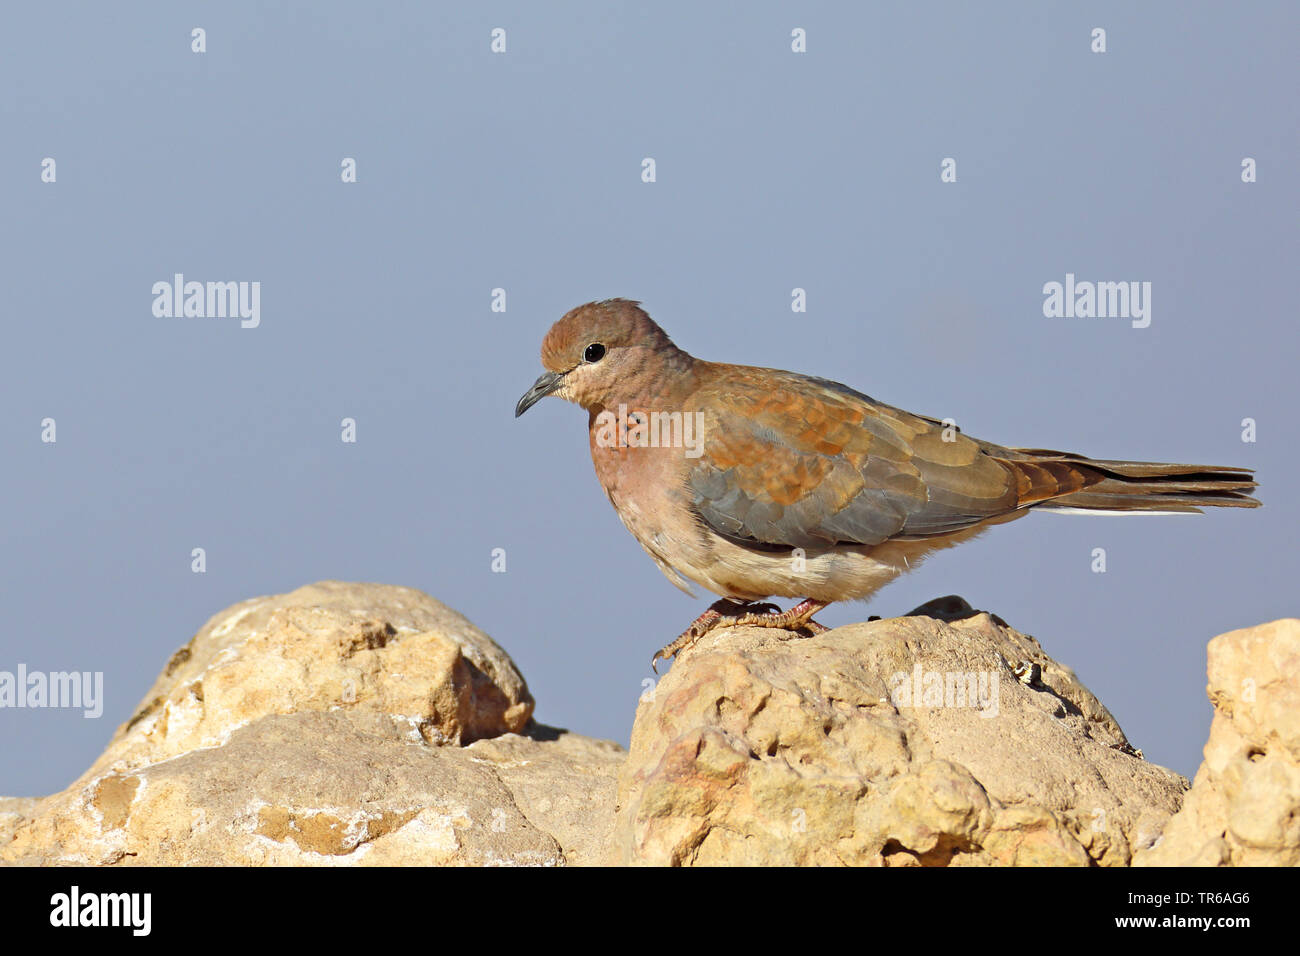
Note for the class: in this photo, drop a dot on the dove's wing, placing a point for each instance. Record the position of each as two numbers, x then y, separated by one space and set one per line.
795 461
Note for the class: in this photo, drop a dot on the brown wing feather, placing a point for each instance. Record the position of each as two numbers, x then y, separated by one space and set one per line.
794 461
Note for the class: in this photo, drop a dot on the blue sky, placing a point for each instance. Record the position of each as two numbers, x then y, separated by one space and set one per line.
522 171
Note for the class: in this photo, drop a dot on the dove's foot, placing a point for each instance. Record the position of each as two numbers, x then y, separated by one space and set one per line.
727 613
800 617
720 614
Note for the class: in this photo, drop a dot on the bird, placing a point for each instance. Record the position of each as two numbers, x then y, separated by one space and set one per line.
756 483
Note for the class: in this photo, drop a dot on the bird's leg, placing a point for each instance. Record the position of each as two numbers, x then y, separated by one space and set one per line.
718 614
726 613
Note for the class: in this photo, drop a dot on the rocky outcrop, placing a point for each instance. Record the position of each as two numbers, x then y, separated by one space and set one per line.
903 742
1244 805
339 724
366 648
353 724
13 811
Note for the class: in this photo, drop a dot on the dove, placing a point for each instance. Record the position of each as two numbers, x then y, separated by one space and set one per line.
757 483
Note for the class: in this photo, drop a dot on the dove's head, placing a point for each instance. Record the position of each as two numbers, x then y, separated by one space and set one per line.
596 350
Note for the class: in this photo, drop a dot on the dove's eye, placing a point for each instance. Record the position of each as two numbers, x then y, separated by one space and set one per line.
595 352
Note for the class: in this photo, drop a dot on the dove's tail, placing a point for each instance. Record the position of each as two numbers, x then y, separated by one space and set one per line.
1137 487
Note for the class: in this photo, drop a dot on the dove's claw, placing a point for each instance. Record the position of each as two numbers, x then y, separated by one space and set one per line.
727 613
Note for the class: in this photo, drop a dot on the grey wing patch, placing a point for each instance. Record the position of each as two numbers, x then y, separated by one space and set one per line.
873 515
725 508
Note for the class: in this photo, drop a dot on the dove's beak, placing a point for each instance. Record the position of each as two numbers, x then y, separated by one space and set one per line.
546 383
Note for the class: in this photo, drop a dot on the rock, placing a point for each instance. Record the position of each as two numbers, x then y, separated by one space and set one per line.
13 810
763 747
335 788
361 724
1244 805
366 647
340 724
